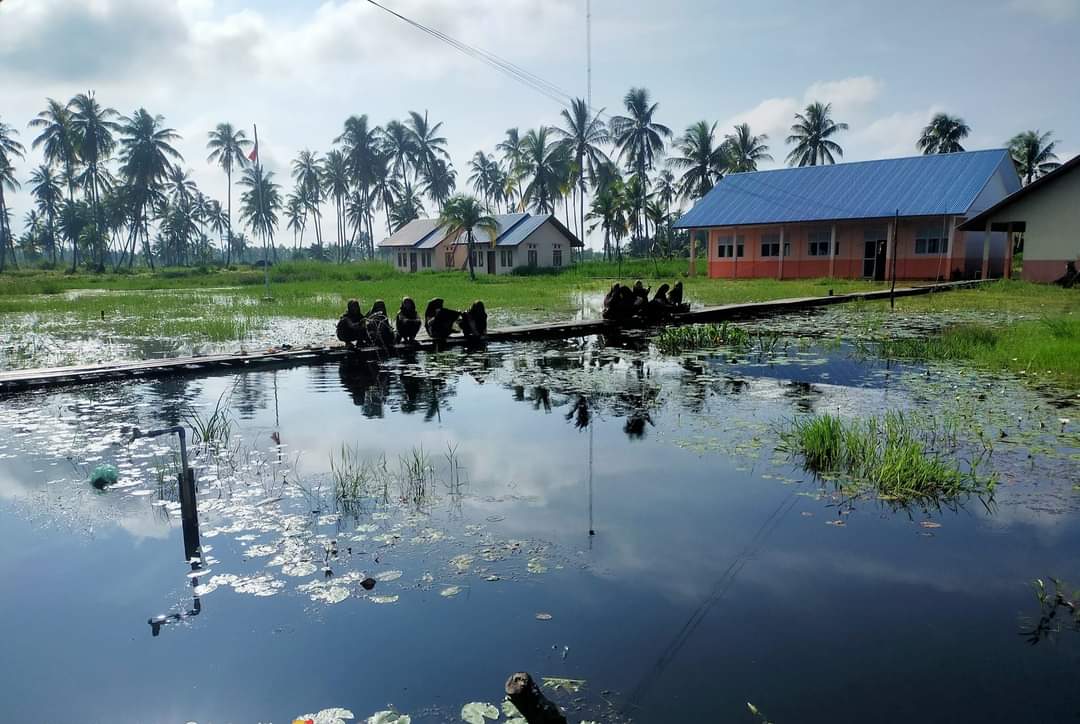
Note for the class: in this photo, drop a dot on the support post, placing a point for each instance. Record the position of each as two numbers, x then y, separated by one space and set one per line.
693 250
986 252
1007 271
832 252
894 233
782 237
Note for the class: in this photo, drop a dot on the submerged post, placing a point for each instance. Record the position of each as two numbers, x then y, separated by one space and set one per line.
189 510
895 244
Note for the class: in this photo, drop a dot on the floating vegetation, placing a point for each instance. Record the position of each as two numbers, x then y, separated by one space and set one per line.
450 591
213 430
676 340
899 456
476 712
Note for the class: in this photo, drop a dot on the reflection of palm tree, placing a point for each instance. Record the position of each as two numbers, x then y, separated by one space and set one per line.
812 135
943 134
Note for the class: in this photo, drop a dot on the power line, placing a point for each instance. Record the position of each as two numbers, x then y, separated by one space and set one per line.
511 70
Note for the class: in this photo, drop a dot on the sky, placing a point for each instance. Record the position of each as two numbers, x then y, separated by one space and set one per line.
299 68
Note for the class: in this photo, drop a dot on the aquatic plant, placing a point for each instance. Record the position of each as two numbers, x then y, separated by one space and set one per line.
897 455
357 478
1050 604
676 340
211 431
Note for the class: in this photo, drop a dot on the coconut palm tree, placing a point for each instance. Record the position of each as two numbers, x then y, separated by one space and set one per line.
745 150
465 214
94 130
406 208
296 218
428 144
705 161
48 195
483 177
307 173
216 219
943 135
440 180
9 149
7 181
228 148
544 163
399 142
180 186
260 203
335 180
361 144
146 160
639 138
1033 154
812 135
512 148
57 136
384 187
583 133
608 211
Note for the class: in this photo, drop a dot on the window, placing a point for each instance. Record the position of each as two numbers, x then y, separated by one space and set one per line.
556 255
817 243
930 241
532 254
770 245
478 257
449 259
728 247
402 259
425 259
506 257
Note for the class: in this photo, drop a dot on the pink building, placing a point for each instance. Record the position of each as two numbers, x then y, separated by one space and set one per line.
850 220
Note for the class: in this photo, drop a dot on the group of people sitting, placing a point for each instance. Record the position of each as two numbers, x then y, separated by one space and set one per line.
357 329
623 302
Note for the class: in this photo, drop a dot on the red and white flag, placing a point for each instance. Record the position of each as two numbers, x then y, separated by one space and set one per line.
254 155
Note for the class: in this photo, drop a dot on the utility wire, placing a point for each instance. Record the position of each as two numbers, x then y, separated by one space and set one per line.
513 71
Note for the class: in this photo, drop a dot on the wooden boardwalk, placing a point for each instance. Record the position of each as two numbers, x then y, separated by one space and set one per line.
46 377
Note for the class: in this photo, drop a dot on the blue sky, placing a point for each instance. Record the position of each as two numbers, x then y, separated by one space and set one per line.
299 68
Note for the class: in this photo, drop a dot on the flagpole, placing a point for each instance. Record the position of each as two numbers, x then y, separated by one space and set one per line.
262 211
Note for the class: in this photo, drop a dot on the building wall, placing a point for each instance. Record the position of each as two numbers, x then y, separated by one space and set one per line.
544 241
1052 222
850 238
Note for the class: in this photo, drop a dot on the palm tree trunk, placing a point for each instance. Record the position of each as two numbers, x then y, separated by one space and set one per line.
469 238
228 244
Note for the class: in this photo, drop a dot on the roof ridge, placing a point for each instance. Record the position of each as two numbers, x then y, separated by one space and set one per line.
868 160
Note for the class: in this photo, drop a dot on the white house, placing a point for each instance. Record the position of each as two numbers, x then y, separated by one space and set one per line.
522 239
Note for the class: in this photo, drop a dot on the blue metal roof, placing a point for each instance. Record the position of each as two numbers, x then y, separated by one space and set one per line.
520 230
916 186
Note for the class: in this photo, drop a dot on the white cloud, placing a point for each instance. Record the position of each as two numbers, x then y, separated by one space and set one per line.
893 135
847 95
1049 9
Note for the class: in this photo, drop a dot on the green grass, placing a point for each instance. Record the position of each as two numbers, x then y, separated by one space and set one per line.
900 458
1046 349
676 340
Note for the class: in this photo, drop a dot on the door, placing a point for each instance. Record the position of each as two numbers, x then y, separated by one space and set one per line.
412 261
491 262
874 260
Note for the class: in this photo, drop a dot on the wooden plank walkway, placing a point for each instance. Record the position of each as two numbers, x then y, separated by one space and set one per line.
45 377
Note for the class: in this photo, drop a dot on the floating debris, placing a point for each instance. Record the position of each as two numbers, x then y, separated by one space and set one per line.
450 591
544 617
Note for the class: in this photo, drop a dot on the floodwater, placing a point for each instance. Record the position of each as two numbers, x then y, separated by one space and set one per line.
590 511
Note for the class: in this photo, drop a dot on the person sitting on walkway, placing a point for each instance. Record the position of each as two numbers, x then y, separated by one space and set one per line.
408 321
378 325
641 291
676 299
473 323
439 321
350 327
660 305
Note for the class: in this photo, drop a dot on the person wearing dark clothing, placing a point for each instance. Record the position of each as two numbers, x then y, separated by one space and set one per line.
408 321
438 320
611 302
473 323
350 327
641 291
676 299
378 325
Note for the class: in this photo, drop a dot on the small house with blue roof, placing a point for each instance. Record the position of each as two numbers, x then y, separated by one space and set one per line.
857 220
521 240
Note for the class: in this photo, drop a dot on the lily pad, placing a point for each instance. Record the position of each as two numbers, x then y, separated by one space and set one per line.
476 712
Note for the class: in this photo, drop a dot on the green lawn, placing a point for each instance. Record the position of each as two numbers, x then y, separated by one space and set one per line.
220 305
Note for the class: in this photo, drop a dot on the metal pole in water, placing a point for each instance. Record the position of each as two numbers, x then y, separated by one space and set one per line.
189 510
895 246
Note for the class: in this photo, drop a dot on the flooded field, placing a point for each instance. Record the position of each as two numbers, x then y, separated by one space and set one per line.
625 525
